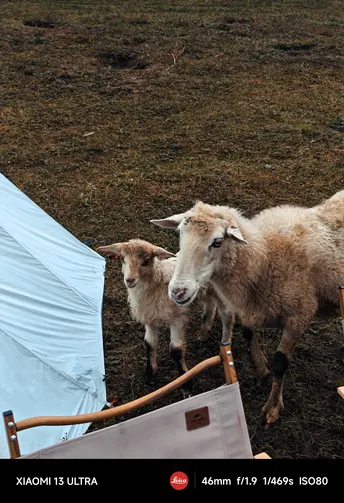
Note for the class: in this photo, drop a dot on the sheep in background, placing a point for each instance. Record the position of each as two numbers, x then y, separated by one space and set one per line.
281 267
147 270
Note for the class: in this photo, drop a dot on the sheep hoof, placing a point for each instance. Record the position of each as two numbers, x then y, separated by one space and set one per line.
259 381
149 377
186 389
149 381
186 393
271 415
203 337
267 425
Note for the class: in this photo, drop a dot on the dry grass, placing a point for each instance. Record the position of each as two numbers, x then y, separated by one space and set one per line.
235 102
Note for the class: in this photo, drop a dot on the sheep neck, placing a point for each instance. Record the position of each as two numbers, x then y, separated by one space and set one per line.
144 298
147 287
237 278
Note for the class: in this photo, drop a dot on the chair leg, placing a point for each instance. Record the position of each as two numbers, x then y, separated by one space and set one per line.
11 434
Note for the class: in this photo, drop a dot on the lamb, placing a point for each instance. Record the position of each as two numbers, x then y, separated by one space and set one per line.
147 270
280 268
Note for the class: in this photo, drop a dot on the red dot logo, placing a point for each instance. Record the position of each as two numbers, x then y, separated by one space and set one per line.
179 480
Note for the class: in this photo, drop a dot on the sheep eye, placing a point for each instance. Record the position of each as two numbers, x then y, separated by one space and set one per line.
216 243
145 260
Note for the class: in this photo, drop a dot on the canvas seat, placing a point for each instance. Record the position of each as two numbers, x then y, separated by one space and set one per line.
209 425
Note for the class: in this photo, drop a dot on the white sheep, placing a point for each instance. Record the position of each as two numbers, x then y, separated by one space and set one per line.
147 270
279 268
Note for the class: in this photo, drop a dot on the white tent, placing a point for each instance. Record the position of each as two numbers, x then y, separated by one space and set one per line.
51 346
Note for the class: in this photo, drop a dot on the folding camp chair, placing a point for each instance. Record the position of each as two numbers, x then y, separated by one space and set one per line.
209 425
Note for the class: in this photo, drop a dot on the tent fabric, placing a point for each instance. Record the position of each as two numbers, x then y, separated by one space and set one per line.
163 433
51 346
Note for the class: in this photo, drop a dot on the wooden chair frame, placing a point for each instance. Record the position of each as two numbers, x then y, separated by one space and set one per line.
12 427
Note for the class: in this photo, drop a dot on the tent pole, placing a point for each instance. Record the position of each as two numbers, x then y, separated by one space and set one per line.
11 434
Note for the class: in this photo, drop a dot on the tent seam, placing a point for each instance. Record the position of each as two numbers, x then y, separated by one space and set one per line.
52 272
63 374
25 196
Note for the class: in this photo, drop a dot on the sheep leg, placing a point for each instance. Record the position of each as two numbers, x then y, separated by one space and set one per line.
209 307
227 318
274 405
258 359
151 340
177 350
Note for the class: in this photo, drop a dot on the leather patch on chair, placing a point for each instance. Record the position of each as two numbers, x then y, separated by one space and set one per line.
197 418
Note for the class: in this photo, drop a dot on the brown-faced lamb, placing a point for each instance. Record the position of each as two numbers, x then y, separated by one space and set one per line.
279 268
147 270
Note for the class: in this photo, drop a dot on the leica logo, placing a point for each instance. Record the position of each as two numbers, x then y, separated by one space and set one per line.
179 480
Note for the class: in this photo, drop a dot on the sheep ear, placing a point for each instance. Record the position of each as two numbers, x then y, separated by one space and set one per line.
170 222
113 249
234 232
161 253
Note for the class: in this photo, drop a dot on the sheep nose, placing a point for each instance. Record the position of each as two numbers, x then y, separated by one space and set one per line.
130 281
179 293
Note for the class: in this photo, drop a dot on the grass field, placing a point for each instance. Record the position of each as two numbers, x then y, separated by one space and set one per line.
113 113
